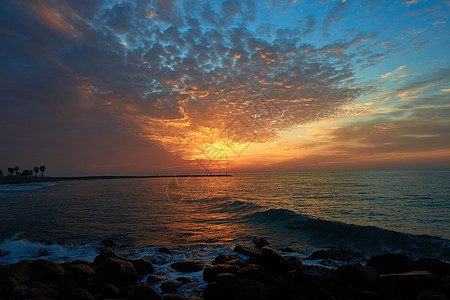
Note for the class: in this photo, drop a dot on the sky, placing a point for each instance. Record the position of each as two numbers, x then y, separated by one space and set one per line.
152 87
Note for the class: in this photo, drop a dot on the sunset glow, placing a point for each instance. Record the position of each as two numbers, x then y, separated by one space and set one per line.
144 87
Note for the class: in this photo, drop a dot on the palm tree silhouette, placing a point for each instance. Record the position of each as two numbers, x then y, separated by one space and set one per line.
1 173
42 168
11 171
16 168
36 170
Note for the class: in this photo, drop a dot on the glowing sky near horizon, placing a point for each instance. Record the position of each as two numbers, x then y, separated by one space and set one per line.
136 87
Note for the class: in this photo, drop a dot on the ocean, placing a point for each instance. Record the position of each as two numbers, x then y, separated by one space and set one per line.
372 211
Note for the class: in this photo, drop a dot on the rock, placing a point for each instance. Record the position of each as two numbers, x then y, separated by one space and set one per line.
221 259
81 271
256 273
176 297
104 254
294 262
273 259
215 291
21 289
210 272
406 284
116 271
7 285
239 248
341 254
445 283
4 252
224 278
324 276
185 280
259 243
309 290
170 286
356 276
142 292
235 262
109 291
77 262
43 252
165 250
48 268
109 243
432 295
20 271
437 267
245 289
77 293
390 263
142 266
188 266
155 279
286 249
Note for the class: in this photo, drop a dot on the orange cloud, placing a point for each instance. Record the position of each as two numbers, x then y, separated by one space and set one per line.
50 16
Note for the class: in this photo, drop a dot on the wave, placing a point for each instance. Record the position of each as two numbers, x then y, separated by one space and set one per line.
370 238
25 186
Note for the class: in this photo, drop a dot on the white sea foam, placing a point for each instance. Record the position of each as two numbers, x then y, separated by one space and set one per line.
25 186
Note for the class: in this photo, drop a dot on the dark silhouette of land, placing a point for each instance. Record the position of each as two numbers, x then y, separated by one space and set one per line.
13 180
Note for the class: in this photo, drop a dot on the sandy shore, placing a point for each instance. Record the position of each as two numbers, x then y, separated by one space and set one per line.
9 180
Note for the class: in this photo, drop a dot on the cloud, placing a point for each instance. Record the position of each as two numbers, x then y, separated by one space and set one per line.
398 71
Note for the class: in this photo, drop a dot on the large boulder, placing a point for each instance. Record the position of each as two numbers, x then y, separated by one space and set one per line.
210 273
170 286
21 271
222 258
259 243
273 259
142 292
357 276
257 273
155 279
142 266
407 283
48 268
390 263
437 267
188 266
341 254
81 272
247 251
116 271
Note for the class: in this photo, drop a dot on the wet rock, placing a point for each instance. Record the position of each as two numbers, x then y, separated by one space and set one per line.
77 293
48 268
445 284
4 252
390 263
109 243
432 295
81 271
210 272
437 267
247 251
341 254
142 266
225 278
215 291
273 259
324 276
170 286
20 271
294 262
257 273
357 276
142 292
406 284
221 259
116 271
155 279
165 250
43 252
259 243
245 289
188 266
185 280
309 290
7 285
109 291
176 297
105 253
286 249
21 289
77 262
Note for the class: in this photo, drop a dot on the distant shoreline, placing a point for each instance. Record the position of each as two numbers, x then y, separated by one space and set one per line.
8 180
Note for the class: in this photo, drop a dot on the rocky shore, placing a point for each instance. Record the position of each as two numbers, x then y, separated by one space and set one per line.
255 271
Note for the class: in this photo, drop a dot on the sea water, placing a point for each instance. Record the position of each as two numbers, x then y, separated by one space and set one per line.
372 211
